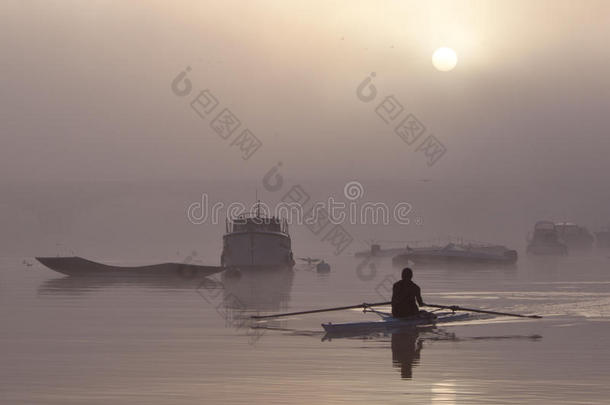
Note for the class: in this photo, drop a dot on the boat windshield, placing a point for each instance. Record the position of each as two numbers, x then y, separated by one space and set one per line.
544 226
255 223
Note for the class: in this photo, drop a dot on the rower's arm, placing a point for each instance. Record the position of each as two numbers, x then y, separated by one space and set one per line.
419 299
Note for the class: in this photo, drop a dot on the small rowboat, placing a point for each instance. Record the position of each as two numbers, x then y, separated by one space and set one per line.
388 323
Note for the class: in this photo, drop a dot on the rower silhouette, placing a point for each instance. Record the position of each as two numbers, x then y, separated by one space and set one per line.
406 348
405 297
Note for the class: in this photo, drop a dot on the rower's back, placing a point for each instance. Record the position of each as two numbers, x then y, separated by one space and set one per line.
405 296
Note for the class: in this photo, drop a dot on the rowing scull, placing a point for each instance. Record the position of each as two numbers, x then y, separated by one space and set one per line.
388 323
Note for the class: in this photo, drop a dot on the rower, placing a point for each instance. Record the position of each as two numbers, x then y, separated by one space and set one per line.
405 296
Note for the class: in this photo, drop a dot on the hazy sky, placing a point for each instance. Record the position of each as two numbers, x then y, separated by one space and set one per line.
86 89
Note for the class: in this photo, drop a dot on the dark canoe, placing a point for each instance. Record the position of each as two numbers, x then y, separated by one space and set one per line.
77 266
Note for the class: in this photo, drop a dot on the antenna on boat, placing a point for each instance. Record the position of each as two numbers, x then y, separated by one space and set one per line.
258 205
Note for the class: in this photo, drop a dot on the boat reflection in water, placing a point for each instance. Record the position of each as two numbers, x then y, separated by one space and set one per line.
257 289
85 284
240 293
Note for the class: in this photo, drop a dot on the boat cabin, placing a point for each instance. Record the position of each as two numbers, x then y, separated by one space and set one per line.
255 223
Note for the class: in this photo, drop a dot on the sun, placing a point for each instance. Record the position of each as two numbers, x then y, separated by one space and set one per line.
444 59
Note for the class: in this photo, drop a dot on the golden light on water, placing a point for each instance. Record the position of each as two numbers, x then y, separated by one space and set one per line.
444 59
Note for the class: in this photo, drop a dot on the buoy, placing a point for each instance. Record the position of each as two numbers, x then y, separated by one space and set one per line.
322 267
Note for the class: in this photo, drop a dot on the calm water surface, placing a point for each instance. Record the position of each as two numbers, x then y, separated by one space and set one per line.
100 341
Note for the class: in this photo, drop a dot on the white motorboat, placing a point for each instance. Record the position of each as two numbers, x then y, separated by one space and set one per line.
253 240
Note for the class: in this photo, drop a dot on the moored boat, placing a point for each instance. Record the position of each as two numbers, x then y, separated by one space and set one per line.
323 267
78 266
603 238
574 236
545 240
256 241
377 251
457 253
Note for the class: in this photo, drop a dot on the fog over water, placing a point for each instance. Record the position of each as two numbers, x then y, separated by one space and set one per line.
111 141
86 89
149 220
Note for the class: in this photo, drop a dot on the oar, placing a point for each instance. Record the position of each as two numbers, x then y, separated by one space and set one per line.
456 308
313 311
364 305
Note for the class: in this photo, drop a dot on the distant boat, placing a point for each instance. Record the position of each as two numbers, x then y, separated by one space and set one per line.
310 261
320 265
545 240
254 241
574 236
377 251
323 267
603 238
77 266
457 253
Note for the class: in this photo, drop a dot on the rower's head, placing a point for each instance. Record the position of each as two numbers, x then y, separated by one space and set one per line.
407 273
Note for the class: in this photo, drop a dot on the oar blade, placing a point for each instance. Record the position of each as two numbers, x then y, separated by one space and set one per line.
482 311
